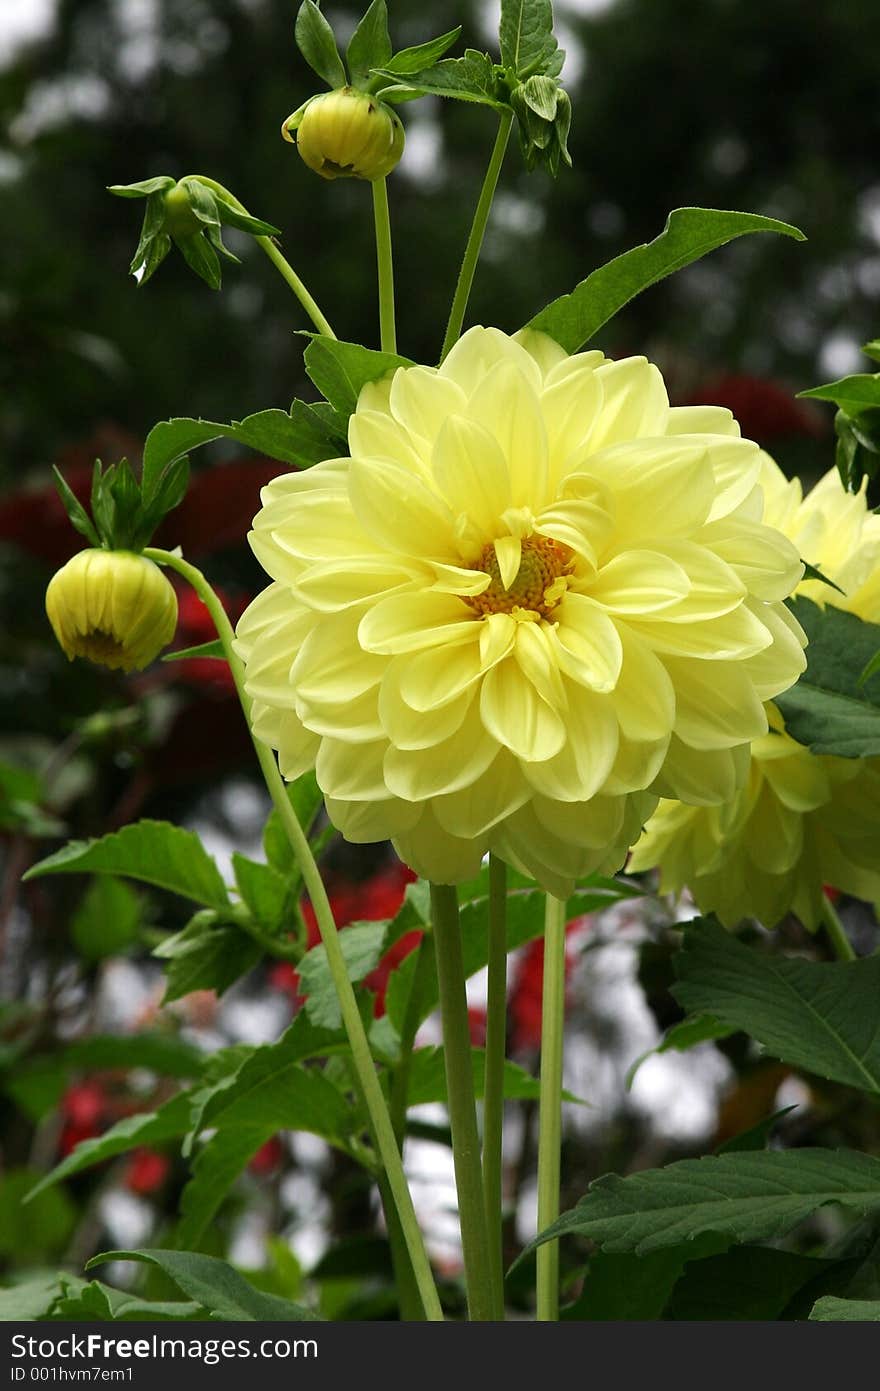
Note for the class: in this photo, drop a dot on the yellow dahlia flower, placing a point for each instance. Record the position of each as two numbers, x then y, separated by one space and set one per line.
114 608
802 820
534 594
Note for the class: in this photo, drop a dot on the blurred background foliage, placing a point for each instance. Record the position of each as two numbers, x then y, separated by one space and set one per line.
721 103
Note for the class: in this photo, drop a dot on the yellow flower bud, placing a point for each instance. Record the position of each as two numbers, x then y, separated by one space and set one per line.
348 133
114 608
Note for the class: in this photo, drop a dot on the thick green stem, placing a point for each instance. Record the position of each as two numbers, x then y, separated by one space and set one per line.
550 1120
280 263
460 1097
385 263
362 1061
493 1092
477 232
843 948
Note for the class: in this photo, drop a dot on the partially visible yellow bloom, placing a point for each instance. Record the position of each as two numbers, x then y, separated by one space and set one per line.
113 607
348 133
535 595
802 820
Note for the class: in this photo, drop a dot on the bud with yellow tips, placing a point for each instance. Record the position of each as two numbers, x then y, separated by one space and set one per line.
347 134
114 608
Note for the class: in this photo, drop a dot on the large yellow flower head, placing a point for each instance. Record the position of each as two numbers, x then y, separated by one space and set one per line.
533 596
802 820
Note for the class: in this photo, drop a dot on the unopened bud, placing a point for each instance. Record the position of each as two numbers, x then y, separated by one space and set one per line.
347 134
114 608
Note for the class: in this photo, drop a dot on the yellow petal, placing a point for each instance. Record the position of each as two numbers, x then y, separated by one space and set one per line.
364 822
716 704
421 400
701 420
407 728
507 405
476 809
536 652
437 855
448 765
481 349
376 435
351 772
590 650
508 552
429 678
634 403
661 487
329 585
640 582
471 473
582 766
515 715
399 512
410 622
765 561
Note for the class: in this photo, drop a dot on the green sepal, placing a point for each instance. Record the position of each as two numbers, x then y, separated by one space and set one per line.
78 515
201 257
316 43
370 45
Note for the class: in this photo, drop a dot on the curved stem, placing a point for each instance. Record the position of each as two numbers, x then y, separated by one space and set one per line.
460 1096
493 1089
843 948
362 1060
281 264
477 232
550 1119
385 263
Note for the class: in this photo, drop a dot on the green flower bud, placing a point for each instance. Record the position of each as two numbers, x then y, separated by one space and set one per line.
114 608
347 134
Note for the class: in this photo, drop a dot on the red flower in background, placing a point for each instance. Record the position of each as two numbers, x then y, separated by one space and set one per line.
267 1158
764 409
146 1172
194 627
524 998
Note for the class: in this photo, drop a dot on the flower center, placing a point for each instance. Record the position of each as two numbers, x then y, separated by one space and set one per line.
103 648
539 583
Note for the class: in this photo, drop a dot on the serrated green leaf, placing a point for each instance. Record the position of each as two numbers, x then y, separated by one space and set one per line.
469 78
420 57
621 1286
851 394
689 234
294 1098
169 1122
750 1197
363 945
340 370
315 41
816 1015
213 1284
208 957
834 708
266 892
834 1310
154 852
370 45
525 35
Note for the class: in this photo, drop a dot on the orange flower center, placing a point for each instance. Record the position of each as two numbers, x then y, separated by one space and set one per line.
538 586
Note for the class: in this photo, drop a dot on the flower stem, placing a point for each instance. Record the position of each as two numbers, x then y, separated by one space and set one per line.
362 1060
477 232
550 1122
493 1091
283 266
462 1106
385 263
843 948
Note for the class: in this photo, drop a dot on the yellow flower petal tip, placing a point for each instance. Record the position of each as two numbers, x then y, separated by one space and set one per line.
497 624
348 134
114 608
802 821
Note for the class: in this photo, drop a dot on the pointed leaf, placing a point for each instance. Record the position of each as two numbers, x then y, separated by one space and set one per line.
370 45
525 35
421 56
339 370
75 510
214 1285
315 41
689 234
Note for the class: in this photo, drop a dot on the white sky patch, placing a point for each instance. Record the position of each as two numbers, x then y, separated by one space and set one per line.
841 354
23 21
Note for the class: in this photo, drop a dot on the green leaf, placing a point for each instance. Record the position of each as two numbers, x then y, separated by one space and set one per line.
746 1284
160 184
40 1229
525 922
427 1079
31 1300
204 649
154 852
78 515
621 1286
214 1285
293 1098
420 57
470 78
689 234
851 394
757 1136
207 955
201 257
871 668
370 45
86 1301
340 370
835 708
362 947
872 349
301 438
681 1037
525 35
750 1197
834 1310
816 1015
150 1128
814 572
106 920
266 892
315 41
